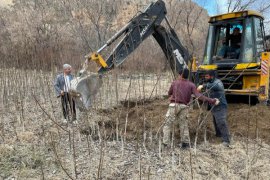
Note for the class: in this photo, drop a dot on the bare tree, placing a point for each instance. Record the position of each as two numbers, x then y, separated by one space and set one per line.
190 22
260 5
46 34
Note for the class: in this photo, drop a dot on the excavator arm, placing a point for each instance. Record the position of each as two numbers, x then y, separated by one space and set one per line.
140 27
135 32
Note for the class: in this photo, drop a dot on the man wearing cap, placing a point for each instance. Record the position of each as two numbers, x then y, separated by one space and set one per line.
62 86
180 96
215 88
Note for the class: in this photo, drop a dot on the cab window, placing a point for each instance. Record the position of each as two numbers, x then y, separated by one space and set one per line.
228 41
209 44
258 35
248 50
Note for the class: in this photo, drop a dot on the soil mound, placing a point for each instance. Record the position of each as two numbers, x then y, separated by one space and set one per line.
140 117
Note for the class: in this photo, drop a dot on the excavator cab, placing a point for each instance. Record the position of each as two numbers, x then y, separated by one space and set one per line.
235 47
233 39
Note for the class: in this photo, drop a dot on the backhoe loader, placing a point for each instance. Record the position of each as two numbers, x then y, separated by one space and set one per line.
236 48
240 58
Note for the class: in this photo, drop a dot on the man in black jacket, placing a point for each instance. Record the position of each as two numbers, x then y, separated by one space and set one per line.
215 89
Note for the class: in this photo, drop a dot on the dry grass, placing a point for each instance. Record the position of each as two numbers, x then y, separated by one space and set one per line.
123 140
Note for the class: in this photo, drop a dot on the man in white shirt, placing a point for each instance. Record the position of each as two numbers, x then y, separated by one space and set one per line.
62 86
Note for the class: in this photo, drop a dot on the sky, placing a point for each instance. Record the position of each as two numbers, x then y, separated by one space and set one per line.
212 6
215 7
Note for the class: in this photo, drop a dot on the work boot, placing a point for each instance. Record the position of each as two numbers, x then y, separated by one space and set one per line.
65 121
226 144
185 145
74 120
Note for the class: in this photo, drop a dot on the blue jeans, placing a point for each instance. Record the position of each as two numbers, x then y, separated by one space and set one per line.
229 50
220 123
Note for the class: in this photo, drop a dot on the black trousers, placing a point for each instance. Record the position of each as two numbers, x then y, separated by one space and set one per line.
68 106
220 123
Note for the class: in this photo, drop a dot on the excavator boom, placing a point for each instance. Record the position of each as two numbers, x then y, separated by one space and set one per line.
136 31
139 28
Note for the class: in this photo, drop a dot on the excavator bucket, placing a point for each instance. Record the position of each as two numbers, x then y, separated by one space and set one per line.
84 89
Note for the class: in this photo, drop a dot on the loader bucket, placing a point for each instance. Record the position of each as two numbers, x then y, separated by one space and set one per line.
84 89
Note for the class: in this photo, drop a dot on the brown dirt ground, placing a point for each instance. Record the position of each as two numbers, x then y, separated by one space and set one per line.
245 121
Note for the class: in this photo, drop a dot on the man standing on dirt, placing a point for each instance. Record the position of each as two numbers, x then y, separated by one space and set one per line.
62 86
180 96
215 89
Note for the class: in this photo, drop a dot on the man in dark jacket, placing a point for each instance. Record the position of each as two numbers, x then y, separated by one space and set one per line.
231 50
62 86
215 89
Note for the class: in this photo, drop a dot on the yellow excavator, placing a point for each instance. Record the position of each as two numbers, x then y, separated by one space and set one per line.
236 48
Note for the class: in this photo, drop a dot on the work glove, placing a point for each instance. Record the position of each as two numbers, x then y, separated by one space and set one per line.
199 88
217 101
62 93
